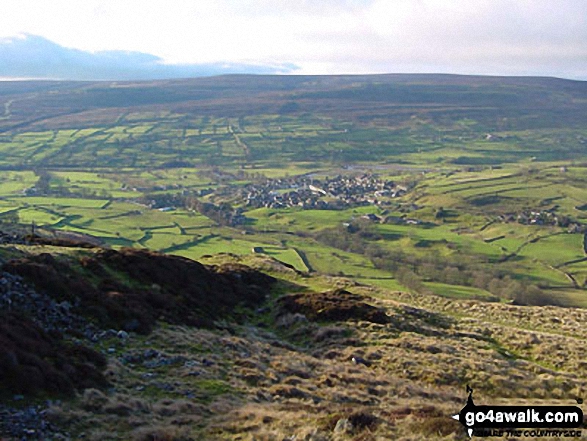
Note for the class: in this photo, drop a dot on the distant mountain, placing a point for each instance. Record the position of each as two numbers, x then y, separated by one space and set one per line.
35 57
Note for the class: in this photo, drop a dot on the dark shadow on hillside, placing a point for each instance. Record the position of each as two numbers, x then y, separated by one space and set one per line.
132 289
33 361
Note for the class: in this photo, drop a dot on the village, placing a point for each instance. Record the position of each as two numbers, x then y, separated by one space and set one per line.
308 193
544 217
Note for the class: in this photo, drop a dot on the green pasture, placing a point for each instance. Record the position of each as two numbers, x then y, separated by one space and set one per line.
139 129
216 244
281 253
39 216
190 220
14 183
76 182
578 270
454 166
83 133
383 282
539 272
51 201
420 238
514 235
117 219
517 188
458 291
556 249
297 219
570 297
187 178
213 244
153 138
7 208
160 240
328 260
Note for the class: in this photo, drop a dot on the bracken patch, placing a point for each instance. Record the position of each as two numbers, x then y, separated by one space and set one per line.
132 289
32 361
336 305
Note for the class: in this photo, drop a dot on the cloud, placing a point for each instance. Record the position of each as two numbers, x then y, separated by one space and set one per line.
29 56
499 37
538 37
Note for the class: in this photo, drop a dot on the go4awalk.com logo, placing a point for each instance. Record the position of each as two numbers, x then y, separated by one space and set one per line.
528 421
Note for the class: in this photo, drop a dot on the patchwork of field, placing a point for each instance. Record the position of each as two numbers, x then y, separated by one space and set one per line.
533 186
495 168
470 234
268 140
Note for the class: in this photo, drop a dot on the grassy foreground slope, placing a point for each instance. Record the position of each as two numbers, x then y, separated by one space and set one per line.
268 372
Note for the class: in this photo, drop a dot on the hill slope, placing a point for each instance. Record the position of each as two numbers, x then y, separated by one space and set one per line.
277 370
413 110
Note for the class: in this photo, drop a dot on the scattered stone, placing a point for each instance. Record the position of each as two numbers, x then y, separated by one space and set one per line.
52 316
343 426
151 353
167 387
533 339
290 320
29 423
360 360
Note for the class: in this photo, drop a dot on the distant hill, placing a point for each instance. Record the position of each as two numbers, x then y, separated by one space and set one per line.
31 56
552 101
394 114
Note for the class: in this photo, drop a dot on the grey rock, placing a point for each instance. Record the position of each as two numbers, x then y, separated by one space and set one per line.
343 426
360 360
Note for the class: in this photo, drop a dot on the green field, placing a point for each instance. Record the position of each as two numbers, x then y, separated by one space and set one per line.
470 234
495 172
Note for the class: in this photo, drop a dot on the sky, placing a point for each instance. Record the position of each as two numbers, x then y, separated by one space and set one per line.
489 37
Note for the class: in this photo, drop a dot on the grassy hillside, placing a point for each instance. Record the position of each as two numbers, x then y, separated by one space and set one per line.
264 119
279 365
